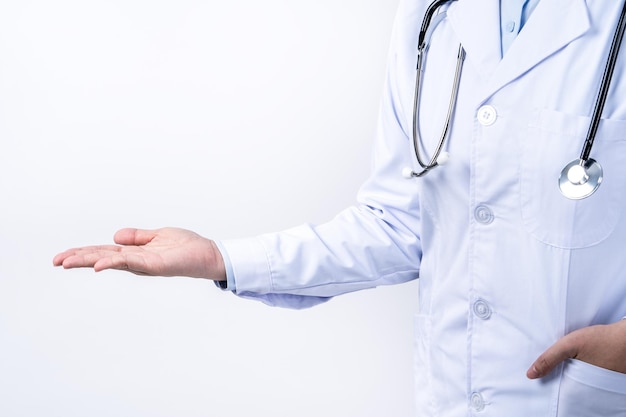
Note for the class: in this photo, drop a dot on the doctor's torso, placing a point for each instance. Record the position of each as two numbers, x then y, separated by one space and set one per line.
509 265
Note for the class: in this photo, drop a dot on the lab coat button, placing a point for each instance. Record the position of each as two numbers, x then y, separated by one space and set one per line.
477 402
487 115
483 215
482 309
510 26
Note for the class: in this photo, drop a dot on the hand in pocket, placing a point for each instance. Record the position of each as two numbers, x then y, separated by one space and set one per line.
601 345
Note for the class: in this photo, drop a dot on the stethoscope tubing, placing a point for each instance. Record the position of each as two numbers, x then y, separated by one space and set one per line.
428 17
427 166
581 177
604 85
588 174
421 49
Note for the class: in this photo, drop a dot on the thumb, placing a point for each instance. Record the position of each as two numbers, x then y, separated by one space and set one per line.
134 237
563 349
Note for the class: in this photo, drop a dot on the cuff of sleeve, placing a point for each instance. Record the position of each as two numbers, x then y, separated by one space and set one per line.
229 284
247 265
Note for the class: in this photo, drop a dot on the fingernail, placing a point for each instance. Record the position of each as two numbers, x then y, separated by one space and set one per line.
533 373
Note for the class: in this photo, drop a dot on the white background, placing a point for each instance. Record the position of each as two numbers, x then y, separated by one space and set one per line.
228 118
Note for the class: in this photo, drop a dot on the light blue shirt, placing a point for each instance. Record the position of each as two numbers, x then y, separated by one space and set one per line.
506 264
513 16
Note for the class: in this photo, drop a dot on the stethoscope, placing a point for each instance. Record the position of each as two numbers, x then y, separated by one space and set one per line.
579 178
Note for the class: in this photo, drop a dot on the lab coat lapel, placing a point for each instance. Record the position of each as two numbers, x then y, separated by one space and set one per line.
477 24
553 25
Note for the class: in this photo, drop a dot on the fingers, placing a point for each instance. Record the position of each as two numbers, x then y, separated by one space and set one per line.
84 257
101 258
122 261
541 367
94 256
60 258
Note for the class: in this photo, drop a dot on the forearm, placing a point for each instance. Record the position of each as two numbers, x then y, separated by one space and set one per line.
354 251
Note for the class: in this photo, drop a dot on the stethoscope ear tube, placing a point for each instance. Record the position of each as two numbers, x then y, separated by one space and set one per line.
428 16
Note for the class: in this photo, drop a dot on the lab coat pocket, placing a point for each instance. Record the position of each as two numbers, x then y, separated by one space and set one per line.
587 390
554 139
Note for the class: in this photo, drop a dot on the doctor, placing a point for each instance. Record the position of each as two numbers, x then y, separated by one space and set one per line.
522 291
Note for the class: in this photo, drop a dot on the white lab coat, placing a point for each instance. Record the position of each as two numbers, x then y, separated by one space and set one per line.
506 264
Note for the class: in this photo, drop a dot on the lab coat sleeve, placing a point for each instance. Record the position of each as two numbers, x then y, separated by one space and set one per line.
376 242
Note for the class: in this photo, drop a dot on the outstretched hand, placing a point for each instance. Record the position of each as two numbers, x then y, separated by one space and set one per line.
162 252
601 345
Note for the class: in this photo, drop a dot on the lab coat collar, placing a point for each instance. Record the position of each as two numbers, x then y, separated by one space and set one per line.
477 24
553 24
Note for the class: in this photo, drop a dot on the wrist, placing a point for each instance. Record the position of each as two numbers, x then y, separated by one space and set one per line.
216 269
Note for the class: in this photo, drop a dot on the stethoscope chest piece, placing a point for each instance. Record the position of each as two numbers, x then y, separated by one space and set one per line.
579 179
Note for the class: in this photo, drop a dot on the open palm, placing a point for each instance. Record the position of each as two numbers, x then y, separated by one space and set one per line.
162 252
